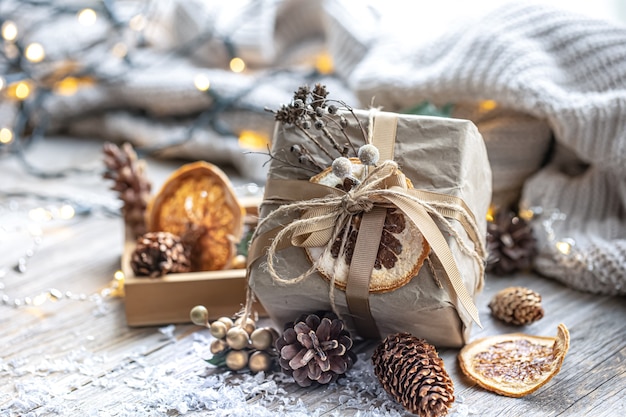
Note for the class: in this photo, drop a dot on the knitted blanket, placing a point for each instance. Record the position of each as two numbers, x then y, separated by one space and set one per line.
541 66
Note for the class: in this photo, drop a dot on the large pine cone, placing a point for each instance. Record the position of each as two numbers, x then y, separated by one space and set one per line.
159 253
314 349
130 182
510 243
517 305
412 372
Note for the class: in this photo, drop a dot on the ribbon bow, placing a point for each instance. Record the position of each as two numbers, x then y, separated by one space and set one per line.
327 210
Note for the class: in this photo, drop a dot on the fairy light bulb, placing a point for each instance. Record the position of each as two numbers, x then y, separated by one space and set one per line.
9 30
237 65
324 64
87 17
35 52
11 50
119 50
487 105
66 212
22 90
201 82
39 214
491 213
2 83
253 140
6 135
67 86
137 23
564 247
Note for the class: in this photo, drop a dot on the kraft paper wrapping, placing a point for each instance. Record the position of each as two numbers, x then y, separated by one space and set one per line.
437 154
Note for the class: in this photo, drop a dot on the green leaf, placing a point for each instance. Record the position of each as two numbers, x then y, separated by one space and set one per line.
426 108
219 359
242 246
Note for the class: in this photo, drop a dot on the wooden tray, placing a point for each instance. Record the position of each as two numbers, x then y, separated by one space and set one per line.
169 299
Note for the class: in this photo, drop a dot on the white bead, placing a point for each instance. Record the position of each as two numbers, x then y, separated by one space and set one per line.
342 167
368 154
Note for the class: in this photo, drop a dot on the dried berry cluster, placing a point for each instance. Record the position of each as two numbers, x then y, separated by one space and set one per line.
322 121
238 344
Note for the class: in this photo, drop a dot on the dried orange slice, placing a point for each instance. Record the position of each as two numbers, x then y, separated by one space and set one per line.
198 203
401 253
514 364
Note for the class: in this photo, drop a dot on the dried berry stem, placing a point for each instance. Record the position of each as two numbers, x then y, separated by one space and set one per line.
345 135
333 142
288 163
314 140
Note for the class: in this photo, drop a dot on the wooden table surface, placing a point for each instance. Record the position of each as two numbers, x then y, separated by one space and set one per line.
77 356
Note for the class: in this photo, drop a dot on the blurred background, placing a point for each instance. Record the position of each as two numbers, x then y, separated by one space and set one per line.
191 79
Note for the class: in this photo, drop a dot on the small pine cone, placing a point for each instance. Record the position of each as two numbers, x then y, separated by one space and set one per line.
130 182
315 348
510 243
517 305
412 372
159 253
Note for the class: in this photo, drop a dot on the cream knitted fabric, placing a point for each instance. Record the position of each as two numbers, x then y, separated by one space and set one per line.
556 66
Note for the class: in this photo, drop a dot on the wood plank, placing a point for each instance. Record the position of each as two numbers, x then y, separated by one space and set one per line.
88 361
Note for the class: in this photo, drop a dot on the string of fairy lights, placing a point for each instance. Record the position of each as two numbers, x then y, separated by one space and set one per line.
30 75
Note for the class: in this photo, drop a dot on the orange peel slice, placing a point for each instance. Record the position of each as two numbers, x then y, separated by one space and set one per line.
415 248
198 200
517 364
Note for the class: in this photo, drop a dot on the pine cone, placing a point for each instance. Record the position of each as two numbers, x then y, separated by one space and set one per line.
517 305
314 349
128 174
510 243
159 253
412 372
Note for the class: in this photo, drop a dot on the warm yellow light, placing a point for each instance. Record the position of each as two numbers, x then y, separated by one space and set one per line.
6 136
202 82
563 247
87 17
526 214
324 63
488 105
35 52
21 90
253 140
119 50
66 212
67 86
39 214
137 23
40 299
9 30
237 65
490 213
118 275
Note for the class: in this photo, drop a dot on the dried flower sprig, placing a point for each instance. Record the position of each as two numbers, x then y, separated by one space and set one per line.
311 112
